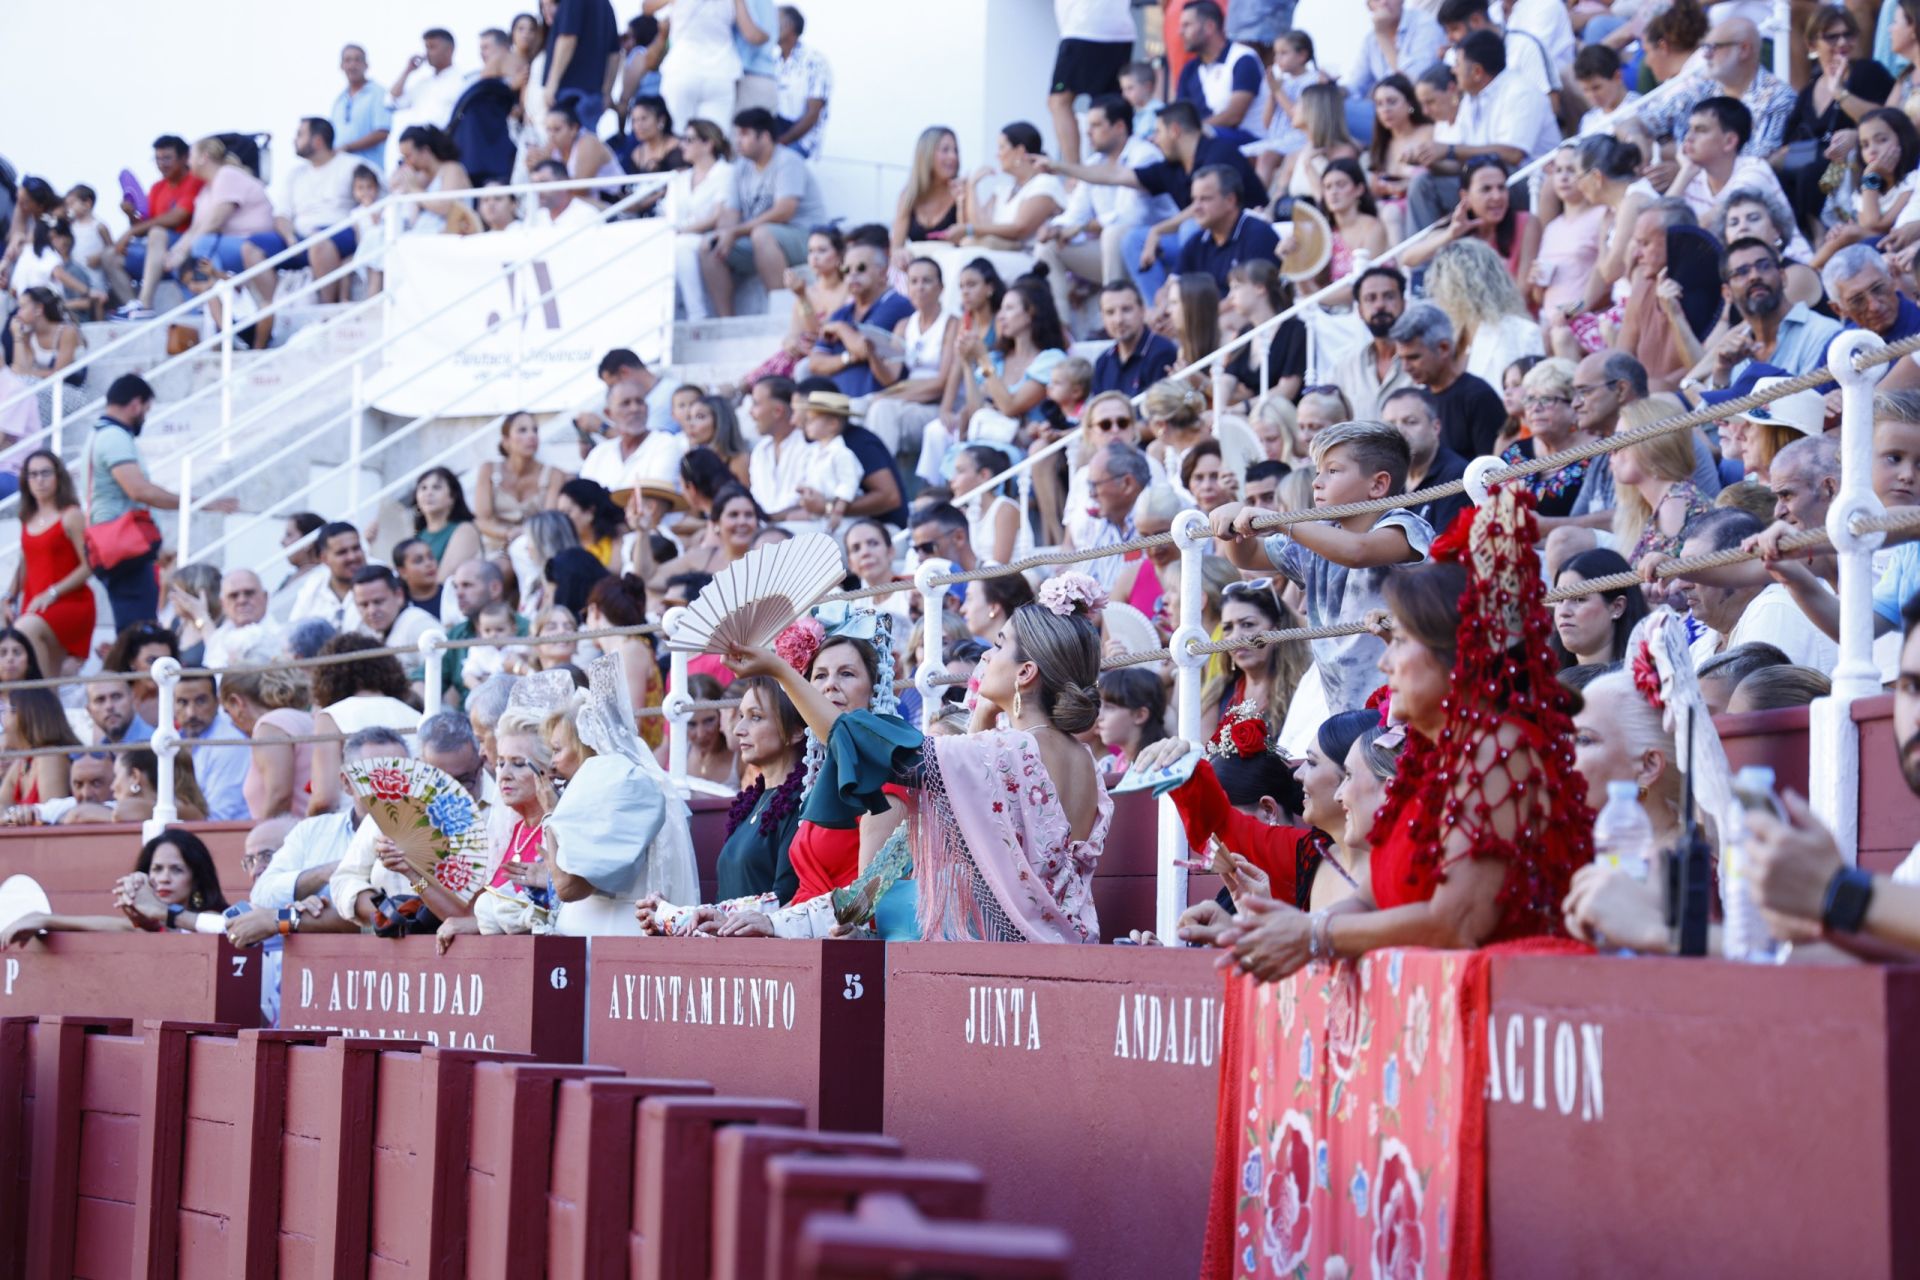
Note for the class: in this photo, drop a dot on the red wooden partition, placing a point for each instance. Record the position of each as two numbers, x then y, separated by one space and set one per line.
887 1237
183 977
78 865
743 1244
753 1015
517 994
1745 1121
1081 1081
1126 884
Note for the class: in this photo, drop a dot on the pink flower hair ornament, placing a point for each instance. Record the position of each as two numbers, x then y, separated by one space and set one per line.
1066 594
798 642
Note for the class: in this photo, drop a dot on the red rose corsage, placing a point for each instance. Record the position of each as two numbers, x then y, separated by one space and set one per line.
1242 733
1646 676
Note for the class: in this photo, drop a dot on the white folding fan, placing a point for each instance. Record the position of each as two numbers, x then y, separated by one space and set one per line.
1131 629
749 601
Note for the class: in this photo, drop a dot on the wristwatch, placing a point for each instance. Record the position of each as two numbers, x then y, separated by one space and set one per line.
1871 181
1849 893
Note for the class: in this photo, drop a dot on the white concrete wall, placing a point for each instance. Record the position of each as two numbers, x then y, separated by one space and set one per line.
91 82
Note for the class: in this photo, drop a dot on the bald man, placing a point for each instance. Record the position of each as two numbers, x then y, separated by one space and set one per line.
1733 69
245 634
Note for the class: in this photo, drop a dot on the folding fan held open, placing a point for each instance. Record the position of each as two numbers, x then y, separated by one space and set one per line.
428 814
749 601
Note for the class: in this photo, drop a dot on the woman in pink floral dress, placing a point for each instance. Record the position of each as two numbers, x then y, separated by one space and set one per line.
1005 825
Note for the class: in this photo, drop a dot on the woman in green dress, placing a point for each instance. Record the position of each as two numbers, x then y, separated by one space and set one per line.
770 737
442 520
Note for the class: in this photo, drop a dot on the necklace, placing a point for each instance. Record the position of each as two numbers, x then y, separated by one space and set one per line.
517 848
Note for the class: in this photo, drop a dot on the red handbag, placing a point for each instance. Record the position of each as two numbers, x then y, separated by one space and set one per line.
125 537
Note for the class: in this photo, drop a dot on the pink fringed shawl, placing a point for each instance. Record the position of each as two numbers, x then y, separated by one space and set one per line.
994 851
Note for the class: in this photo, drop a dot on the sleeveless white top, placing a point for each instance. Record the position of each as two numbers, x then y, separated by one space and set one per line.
923 345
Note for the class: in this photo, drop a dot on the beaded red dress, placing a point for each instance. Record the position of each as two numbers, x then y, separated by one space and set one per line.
1503 689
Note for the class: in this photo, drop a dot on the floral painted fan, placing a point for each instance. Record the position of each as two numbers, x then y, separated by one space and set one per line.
749 601
428 814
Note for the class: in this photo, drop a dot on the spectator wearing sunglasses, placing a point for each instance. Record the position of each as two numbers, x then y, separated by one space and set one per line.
1106 419
845 351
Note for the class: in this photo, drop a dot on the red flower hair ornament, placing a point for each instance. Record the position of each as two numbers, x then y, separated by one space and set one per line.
1242 733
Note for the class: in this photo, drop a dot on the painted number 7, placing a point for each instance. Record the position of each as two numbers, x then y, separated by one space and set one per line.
239 966
854 989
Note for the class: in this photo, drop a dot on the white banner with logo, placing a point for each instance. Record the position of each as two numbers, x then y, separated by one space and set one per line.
547 323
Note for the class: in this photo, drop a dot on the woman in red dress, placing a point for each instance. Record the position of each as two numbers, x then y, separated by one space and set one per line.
1484 825
55 605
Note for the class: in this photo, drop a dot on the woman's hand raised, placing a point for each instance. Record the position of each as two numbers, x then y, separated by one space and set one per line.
753 662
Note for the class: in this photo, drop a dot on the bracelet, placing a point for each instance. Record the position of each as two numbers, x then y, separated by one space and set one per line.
286 927
1319 943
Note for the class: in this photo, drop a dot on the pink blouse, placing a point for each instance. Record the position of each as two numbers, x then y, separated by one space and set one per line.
295 724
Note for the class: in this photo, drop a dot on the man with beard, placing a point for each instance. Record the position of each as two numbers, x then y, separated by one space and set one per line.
1790 338
1373 372
1471 412
220 771
1412 412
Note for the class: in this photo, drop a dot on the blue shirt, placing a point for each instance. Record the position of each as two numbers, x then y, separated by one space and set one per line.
1245 76
1896 585
1418 43
1168 179
355 115
1905 325
888 310
876 457
1804 337
764 58
140 731
222 771
1151 359
1251 238
597 37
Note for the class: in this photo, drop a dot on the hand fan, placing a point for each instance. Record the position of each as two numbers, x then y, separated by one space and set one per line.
1129 628
749 601
130 188
428 814
1239 447
19 896
1312 245
1161 780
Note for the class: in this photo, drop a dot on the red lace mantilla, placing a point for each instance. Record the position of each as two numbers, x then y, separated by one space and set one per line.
1503 674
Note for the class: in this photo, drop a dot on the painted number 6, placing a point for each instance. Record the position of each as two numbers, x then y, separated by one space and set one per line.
558 979
854 989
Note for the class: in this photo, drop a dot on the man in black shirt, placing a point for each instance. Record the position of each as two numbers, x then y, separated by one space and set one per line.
1471 412
1229 235
1188 149
1138 357
1416 416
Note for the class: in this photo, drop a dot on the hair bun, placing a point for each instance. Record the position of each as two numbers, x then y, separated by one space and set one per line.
1075 707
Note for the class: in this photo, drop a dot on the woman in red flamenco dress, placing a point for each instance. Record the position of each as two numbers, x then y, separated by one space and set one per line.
1484 823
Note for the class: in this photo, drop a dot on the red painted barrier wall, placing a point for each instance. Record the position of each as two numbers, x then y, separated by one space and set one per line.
752 1015
1694 1118
1081 1080
1125 882
519 994
1889 811
78 865
185 977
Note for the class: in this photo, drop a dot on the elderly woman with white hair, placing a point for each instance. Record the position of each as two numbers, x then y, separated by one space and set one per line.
1469 282
1546 407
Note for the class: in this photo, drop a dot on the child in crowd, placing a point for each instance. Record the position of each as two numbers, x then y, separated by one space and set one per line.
1138 83
828 467
494 623
1341 564
1292 72
684 398
1069 386
1133 715
91 242
1597 70
366 227
79 288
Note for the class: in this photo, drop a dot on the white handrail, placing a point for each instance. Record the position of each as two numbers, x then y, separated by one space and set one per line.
1227 349
434 460
346 363
224 292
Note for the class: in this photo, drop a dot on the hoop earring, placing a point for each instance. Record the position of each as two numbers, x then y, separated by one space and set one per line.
133 788
1016 704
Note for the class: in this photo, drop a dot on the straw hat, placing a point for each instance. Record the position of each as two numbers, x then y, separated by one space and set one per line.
830 402
1312 243
675 500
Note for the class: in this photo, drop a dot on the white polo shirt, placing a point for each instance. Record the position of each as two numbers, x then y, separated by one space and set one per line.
657 459
1510 113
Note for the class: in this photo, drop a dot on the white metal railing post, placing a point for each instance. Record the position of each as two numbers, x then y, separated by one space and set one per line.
1833 764
59 414
183 536
389 236
165 747
1780 26
675 703
932 660
432 674
225 294
1191 533
356 436
1222 390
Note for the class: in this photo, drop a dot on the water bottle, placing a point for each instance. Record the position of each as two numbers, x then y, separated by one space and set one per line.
1744 934
1623 834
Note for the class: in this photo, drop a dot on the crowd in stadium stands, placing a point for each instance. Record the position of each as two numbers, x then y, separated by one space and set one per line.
1701 229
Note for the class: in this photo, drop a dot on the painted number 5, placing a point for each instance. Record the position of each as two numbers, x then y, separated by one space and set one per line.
854 989
558 979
